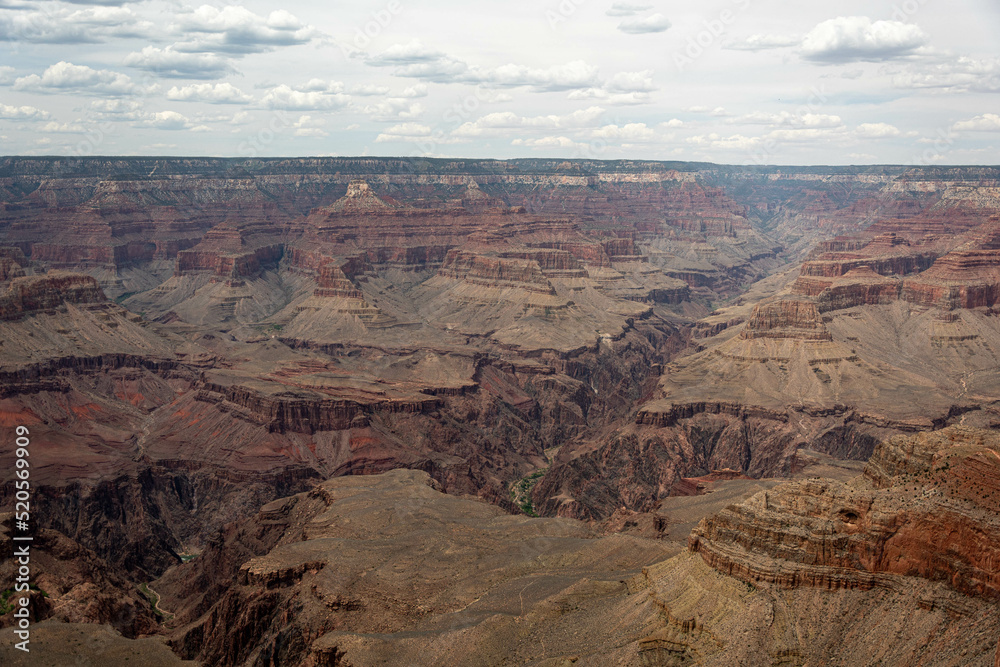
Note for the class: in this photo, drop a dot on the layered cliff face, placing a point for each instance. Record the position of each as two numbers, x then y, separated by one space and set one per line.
914 537
948 270
798 320
125 221
709 618
26 295
928 506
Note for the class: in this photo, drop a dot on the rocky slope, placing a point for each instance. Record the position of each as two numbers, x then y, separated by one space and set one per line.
892 333
386 570
912 543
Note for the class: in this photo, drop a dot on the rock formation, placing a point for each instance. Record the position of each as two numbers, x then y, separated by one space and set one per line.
929 508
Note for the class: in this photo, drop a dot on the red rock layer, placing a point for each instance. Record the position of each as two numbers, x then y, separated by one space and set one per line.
552 262
786 319
33 293
695 207
967 276
225 265
931 512
306 414
332 282
10 269
495 271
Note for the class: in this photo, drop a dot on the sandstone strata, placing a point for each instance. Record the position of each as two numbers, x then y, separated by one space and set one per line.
927 507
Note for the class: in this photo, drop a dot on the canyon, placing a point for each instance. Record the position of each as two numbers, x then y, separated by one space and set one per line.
276 391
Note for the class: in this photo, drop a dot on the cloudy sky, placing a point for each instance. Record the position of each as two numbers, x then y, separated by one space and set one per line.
732 81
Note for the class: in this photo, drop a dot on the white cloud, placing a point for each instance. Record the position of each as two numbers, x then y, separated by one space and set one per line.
405 133
796 135
650 24
624 88
805 135
630 133
786 118
605 97
627 9
62 128
406 54
632 82
876 131
394 108
368 90
308 126
310 132
988 122
491 96
171 63
763 42
955 75
321 86
67 26
6 75
66 77
718 112
576 74
550 142
504 122
238 31
22 113
219 93
419 90
286 97
167 120
856 38
736 141
414 60
117 109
